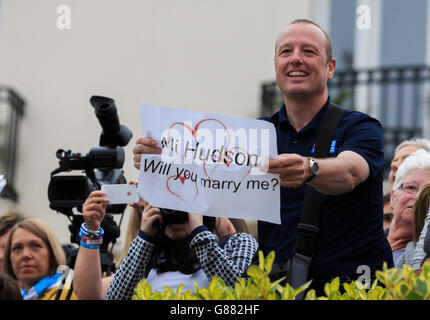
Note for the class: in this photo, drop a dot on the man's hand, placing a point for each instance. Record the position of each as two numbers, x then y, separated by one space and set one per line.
144 145
336 175
292 168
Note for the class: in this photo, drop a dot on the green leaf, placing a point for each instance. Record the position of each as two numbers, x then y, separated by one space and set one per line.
204 294
425 270
334 295
349 289
139 290
276 283
187 295
412 295
335 284
303 287
421 287
255 272
238 291
261 259
272 296
374 284
331 287
212 287
311 295
288 293
268 263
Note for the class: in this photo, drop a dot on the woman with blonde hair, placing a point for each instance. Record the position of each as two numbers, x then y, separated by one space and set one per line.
32 256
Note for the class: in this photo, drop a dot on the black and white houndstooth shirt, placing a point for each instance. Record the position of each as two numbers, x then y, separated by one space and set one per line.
228 262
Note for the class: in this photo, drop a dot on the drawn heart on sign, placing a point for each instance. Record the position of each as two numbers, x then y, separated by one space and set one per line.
196 129
175 185
222 159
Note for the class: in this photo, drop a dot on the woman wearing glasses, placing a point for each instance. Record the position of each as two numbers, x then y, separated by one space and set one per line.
413 173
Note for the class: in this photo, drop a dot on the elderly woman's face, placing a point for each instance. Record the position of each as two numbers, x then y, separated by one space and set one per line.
29 257
403 198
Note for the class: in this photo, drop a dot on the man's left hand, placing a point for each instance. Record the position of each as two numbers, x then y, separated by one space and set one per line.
292 168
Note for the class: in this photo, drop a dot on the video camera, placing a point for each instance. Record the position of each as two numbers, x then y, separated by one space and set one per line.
101 165
66 192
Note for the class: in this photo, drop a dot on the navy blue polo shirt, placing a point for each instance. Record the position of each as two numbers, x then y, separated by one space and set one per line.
351 230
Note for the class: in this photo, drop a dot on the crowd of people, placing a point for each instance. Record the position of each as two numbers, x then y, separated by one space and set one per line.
357 224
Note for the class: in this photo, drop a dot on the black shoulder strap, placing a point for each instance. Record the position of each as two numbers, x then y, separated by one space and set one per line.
307 231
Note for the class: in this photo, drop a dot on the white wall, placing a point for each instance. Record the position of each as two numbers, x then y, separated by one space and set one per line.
191 54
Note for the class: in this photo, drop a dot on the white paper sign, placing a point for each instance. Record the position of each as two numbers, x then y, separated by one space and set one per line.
210 164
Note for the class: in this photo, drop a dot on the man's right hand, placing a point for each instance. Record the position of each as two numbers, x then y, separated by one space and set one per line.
144 145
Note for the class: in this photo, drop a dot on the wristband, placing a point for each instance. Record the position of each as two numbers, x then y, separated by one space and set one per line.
91 233
89 246
92 241
85 232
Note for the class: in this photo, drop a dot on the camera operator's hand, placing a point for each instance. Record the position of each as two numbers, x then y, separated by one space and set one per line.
144 145
94 209
151 218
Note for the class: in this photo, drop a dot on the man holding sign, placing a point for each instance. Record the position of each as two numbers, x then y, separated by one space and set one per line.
350 230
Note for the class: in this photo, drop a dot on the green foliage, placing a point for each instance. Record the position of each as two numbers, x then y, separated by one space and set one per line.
405 284
391 284
257 287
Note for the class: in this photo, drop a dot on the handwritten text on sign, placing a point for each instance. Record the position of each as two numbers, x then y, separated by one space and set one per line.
210 164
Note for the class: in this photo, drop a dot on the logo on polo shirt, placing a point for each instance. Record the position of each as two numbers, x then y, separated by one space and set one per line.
332 147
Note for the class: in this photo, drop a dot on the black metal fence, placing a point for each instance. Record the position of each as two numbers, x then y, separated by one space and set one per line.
13 112
396 95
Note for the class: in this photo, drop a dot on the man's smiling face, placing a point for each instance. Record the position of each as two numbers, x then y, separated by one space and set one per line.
301 64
